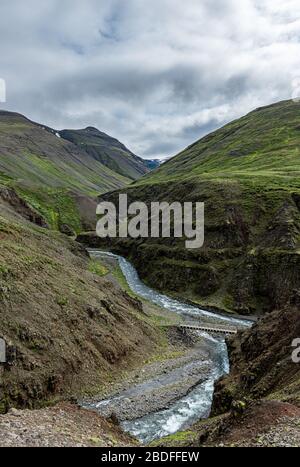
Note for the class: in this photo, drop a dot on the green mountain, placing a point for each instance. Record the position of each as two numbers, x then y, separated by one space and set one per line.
107 150
56 177
260 148
248 175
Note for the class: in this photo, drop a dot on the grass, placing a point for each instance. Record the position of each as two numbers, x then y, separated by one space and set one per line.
47 171
259 150
248 175
181 438
97 268
118 274
55 205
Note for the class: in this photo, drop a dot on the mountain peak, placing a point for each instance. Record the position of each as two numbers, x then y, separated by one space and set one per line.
109 151
92 129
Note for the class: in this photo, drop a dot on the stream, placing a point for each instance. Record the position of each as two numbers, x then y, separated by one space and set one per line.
194 405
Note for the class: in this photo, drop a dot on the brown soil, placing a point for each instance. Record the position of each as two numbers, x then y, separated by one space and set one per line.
261 362
69 331
65 425
261 424
11 204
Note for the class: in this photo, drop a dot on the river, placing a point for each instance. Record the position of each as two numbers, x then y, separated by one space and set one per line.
196 404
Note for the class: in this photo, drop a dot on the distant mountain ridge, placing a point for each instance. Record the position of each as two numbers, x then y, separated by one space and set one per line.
36 154
57 177
153 163
107 150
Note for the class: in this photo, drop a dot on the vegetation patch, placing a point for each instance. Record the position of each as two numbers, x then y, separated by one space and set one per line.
96 267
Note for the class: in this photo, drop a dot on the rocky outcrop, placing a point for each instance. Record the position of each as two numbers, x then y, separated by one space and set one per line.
71 330
261 362
249 263
19 206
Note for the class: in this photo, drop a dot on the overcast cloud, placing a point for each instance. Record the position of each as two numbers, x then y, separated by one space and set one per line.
156 74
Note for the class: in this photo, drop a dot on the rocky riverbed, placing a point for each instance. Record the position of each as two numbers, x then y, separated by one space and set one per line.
172 393
151 399
159 384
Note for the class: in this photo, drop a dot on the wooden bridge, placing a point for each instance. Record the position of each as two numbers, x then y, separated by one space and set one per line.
209 329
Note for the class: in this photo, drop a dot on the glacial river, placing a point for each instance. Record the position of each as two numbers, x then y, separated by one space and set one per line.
197 404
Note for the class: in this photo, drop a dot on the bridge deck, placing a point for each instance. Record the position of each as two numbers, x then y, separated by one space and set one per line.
209 329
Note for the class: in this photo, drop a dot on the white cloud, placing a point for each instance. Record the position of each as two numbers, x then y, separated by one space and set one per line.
158 74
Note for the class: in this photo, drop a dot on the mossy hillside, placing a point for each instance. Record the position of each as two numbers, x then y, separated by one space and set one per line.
89 177
179 439
33 153
250 259
72 330
258 149
96 267
56 206
109 151
51 172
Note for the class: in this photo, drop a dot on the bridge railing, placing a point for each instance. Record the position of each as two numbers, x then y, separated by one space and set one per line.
216 330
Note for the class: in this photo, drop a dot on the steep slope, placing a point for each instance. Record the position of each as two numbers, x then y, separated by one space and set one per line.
68 330
107 150
62 426
258 403
32 152
261 361
248 175
57 177
263 145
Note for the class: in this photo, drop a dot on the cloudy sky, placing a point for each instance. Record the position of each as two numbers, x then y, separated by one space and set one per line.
157 74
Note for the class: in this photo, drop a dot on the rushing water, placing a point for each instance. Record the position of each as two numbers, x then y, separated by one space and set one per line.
138 287
197 404
186 411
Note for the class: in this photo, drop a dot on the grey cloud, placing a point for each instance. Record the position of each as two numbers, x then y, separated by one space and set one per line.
159 148
157 75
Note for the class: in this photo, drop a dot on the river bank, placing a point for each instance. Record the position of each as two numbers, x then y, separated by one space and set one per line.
64 425
169 391
167 396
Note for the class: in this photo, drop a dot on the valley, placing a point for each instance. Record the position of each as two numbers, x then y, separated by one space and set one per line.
247 174
97 323
176 392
